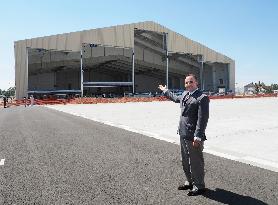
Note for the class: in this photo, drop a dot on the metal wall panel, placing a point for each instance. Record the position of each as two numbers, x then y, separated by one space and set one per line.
52 44
17 70
109 36
61 42
45 42
231 68
119 36
21 77
73 42
93 37
138 53
39 43
34 42
129 36
112 51
97 51
128 52
28 43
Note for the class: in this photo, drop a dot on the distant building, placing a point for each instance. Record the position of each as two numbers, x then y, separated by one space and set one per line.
250 89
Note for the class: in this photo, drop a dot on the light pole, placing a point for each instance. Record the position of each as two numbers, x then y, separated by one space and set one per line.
201 60
236 89
165 47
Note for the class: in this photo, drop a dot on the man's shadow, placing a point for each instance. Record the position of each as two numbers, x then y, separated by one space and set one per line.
227 197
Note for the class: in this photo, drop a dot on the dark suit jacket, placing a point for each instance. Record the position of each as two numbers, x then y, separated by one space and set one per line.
194 113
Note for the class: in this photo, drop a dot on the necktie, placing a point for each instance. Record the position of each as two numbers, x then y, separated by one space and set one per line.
185 98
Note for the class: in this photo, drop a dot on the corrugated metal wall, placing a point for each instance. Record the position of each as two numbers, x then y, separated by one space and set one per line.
122 36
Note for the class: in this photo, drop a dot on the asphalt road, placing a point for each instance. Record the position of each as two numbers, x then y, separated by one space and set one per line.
56 158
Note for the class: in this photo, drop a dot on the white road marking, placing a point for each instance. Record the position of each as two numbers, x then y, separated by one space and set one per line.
220 154
2 162
266 164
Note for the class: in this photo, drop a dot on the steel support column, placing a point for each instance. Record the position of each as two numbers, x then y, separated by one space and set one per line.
133 72
202 74
167 60
201 82
27 69
81 70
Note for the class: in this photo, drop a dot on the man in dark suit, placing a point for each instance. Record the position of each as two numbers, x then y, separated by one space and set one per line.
193 121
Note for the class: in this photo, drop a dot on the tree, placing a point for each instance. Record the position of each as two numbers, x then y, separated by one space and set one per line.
274 87
11 91
8 93
261 87
257 88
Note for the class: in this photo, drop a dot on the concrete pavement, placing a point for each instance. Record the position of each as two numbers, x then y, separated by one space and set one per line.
56 158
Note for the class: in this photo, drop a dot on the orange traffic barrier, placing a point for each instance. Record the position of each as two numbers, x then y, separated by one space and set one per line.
93 100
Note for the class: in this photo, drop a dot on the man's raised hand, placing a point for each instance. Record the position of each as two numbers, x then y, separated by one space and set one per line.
162 88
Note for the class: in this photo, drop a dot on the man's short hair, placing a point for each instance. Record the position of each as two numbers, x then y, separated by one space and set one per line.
192 75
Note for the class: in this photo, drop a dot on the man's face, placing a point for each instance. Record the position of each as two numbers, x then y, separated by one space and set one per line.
190 83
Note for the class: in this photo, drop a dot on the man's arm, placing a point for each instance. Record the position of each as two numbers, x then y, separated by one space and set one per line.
203 116
170 95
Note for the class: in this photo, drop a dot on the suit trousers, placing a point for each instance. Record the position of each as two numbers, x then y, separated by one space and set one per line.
193 163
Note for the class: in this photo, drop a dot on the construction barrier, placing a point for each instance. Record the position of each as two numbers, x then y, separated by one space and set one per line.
91 100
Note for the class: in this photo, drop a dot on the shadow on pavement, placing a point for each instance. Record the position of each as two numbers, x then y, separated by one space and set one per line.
227 197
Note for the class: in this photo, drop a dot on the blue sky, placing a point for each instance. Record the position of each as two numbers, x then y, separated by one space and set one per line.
244 30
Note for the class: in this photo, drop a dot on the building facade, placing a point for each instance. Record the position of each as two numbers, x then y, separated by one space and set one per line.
124 58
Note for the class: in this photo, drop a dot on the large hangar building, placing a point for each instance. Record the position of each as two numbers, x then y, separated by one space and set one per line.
131 58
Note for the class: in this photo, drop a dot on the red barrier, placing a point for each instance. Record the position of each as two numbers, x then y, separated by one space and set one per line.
86 100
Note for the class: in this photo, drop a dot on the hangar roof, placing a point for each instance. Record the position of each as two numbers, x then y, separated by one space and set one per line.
123 36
